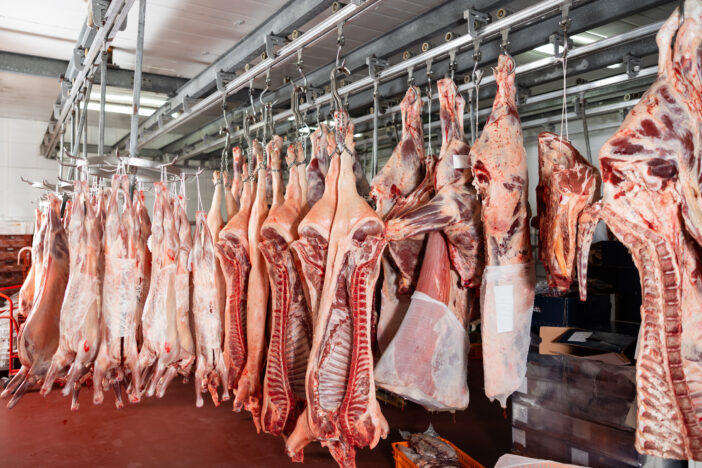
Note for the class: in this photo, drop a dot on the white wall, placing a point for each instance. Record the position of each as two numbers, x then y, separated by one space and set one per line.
19 156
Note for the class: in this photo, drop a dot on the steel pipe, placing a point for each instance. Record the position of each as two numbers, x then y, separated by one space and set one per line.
136 95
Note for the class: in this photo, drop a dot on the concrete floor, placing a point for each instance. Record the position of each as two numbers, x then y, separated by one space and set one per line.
173 432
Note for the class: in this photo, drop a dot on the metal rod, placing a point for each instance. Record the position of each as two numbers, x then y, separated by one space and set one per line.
103 93
586 133
134 133
312 35
374 163
84 119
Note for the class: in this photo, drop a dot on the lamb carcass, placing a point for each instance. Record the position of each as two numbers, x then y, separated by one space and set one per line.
567 184
29 287
248 393
342 411
118 353
319 165
498 160
79 325
233 254
651 202
39 337
161 346
400 176
291 326
210 371
143 254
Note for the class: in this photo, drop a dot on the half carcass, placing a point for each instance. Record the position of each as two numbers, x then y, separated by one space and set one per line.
79 324
498 160
398 179
651 202
161 346
143 254
567 184
342 411
248 393
118 353
319 165
291 326
237 182
233 254
39 337
210 371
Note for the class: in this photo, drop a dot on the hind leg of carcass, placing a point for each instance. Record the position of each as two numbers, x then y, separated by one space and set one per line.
15 382
74 396
131 361
223 372
170 374
200 381
59 362
102 364
27 384
76 371
117 386
158 374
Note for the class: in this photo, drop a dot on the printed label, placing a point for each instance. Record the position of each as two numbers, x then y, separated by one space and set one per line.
461 161
518 437
504 307
579 457
580 336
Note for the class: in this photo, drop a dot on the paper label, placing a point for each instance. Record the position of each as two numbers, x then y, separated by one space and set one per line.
461 161
504 306
580 336
579 457
520 413
518 437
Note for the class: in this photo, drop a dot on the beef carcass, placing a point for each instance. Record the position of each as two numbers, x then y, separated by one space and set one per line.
28 289
79 325
248 393
291 327
651 202
118 353
342 411
233 254
161 346
214 216
498 160
319 165
395 182
210 371
567 184
39 337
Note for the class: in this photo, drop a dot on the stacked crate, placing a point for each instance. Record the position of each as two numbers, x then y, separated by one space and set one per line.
576 410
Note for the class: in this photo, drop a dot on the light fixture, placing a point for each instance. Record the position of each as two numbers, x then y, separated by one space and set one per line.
126 98
175 114
291 118
120 109
357 135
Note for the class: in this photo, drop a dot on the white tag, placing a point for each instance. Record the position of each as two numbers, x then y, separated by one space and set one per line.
504 306
638 342
524 387
148 244
579 457
520 413
461 161
580 336
518 437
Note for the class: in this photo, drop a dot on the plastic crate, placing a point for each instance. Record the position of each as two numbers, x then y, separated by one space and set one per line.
401 460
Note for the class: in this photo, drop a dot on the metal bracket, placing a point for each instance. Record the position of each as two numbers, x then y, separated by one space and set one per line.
223 79
557 40
78 56
476 20
375 65
633 65
98 9
522 94
65 89
271 41
57 110
188 103
504 45
565 19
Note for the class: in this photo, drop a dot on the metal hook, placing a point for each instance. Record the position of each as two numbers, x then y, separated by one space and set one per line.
335 94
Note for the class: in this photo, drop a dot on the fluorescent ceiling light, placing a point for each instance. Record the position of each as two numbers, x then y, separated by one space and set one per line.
614 66
120 109
357 135
582 39
547 49
125 98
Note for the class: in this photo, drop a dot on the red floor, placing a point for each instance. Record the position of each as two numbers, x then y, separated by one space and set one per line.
173 432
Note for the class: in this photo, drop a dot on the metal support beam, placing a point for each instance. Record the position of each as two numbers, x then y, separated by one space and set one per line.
294 14
583 17
103 92
136 97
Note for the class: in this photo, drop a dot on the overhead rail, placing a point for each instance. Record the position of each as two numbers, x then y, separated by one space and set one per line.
421 60
110 24
273 57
